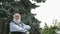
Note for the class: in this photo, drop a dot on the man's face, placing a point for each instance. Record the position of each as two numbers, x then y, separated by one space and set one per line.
17 18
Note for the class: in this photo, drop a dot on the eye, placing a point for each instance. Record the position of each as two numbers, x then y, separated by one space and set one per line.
16 16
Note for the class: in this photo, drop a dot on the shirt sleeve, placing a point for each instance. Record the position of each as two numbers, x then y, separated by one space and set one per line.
27 27
16 28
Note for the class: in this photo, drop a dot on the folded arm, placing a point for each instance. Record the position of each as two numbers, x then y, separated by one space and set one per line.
27 27
14 27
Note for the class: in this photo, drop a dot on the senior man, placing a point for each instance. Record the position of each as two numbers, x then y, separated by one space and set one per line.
18 27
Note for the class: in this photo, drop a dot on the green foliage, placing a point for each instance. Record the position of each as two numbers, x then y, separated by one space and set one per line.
49 30
9 7
40 0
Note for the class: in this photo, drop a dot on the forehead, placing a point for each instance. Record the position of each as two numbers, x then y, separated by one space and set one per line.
16 14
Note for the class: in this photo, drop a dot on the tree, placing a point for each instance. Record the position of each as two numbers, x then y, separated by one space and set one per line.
9 7
51 29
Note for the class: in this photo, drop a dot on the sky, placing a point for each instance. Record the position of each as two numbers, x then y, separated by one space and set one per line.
47 12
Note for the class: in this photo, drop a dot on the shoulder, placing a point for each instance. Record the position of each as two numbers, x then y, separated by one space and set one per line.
11 23
23 23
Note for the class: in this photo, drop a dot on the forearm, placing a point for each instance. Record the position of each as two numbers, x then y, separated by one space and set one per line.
27 27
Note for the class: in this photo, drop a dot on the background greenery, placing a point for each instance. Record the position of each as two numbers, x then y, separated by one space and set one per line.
52 29
9 7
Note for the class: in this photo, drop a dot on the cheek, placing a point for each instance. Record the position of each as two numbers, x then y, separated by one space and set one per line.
17 17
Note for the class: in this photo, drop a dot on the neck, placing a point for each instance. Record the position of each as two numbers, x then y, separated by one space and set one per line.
17 21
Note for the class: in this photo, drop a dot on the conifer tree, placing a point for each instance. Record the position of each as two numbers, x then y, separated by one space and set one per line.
9 7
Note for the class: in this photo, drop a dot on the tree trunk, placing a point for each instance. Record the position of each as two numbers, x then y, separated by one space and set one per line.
1 26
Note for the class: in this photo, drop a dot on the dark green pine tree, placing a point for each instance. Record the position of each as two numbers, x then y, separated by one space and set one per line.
9 7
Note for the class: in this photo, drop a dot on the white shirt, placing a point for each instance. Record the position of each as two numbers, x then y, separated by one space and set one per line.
15 28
